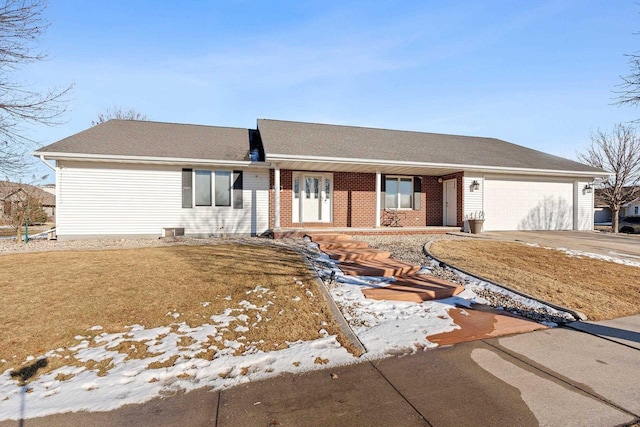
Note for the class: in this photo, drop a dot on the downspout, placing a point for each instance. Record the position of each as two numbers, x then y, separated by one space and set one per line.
42 159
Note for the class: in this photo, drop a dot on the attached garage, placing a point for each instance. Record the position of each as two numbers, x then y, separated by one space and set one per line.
528 204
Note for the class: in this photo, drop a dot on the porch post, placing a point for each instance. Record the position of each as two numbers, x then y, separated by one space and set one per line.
378 188
276 197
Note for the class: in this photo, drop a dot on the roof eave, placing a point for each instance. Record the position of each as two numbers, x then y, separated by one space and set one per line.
146 159
275 158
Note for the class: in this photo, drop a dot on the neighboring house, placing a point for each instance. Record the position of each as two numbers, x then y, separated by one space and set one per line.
602 211
632 208
13 192
136 178
49 188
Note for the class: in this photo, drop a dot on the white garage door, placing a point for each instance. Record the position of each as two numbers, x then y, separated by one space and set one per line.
520 204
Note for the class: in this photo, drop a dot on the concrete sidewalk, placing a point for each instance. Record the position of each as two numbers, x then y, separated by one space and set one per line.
584 374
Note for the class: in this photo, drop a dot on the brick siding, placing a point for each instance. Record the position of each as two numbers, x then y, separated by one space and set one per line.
354 200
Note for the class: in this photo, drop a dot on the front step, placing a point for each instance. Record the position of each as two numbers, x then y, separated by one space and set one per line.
357 254
378 267
415 288
323 237
344 244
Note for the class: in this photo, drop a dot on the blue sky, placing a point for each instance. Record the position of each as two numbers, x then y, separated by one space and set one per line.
535 73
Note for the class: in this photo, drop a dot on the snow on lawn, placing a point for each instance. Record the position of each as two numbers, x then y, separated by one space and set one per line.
579 254
386 328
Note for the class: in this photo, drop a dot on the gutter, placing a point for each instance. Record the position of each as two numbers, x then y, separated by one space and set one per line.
578 315
466 167
150 160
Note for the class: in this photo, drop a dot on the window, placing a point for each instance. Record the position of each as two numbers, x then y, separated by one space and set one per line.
223 188
203 188
226 186
327 188
398 193
187 188
635 210
296 188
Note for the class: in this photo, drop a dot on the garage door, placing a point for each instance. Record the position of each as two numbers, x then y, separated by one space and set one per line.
520 204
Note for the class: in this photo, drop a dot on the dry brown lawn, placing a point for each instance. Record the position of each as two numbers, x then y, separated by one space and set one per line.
51 297
33 229
600 289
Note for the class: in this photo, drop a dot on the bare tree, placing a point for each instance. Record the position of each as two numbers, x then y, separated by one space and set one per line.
629 89
617 152
120 114
21 25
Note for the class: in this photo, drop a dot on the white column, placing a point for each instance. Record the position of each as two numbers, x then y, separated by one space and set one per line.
378 188
276 197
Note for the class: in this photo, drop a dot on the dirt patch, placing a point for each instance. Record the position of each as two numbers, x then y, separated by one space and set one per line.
58 299
600 289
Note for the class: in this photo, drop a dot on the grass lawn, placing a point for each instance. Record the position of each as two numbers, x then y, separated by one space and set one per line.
51 297
33 229
600 289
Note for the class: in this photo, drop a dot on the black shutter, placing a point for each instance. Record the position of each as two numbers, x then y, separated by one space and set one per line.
187 188
237 189
383 189
417 193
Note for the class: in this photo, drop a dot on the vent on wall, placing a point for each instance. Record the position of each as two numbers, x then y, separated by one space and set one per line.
173 231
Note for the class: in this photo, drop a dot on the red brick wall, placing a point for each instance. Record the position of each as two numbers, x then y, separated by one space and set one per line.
354 200
433 192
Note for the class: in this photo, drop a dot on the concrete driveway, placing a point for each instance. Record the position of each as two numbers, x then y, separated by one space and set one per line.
619 246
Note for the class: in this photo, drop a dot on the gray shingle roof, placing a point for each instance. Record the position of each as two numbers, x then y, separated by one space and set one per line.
311 139
156 139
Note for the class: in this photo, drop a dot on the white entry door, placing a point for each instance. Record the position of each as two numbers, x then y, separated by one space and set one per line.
311 199
450 203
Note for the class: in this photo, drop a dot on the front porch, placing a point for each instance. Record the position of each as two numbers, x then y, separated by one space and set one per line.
361 231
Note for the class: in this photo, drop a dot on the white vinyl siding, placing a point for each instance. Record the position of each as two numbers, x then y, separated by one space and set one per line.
473 200
96 199
585 212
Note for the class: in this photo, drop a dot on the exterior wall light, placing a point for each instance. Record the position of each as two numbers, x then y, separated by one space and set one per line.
475 185
588 188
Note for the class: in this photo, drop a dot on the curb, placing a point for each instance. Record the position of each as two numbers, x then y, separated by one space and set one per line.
577 314
337 314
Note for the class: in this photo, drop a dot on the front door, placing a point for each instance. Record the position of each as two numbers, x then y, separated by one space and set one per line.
311 199
450 203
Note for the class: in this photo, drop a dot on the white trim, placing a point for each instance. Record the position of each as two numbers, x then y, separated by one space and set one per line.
276 197
462 167
149 160
378 191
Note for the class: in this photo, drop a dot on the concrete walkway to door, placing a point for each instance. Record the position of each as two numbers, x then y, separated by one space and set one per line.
621 246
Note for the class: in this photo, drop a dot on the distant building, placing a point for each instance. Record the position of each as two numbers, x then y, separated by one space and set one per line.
12 192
